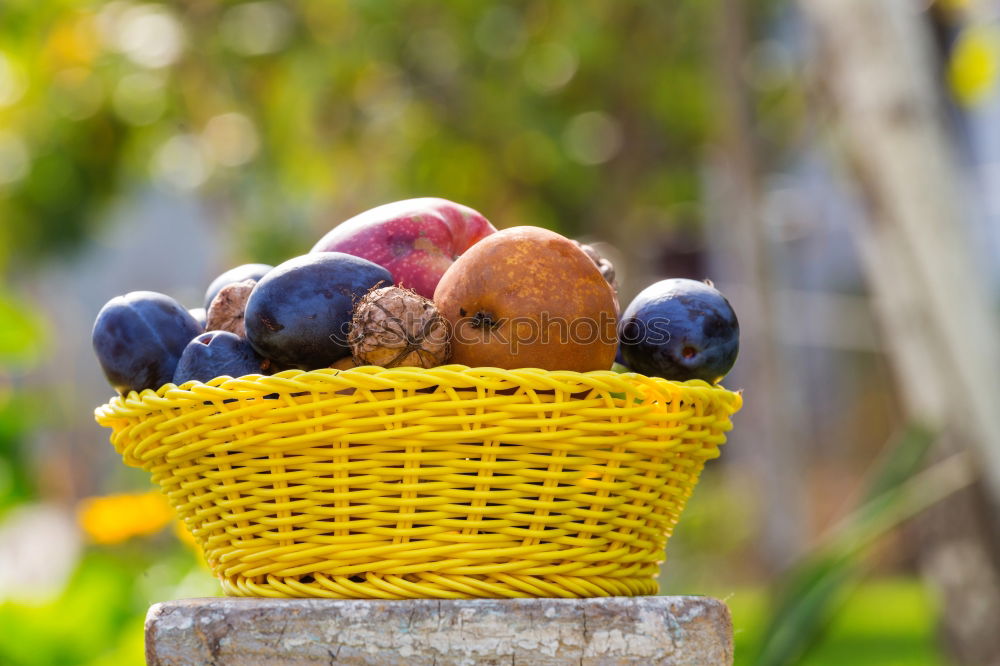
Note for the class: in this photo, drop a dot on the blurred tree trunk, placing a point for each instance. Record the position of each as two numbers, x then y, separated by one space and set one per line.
765 440
876 65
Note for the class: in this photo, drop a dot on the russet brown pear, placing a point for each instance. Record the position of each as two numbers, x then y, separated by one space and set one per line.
526 297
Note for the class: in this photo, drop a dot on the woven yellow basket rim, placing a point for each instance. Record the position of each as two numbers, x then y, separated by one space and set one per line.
447 482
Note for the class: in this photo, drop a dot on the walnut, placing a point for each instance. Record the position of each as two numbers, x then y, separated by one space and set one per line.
395 327
226 311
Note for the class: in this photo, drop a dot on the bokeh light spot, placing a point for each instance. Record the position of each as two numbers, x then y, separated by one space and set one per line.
256 28
179 162
593 137
549 67
149 36
140 98
12 82
230 139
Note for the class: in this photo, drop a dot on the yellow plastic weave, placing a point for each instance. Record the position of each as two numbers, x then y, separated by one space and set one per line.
452 482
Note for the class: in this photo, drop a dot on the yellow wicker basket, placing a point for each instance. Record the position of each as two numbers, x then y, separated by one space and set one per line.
452 482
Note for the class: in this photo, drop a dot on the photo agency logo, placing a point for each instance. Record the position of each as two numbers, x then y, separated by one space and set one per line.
516 332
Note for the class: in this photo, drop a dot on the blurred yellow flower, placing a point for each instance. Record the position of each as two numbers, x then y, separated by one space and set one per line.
972 71
73 41
115 518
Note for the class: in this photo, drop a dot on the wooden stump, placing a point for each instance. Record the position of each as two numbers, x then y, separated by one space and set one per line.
618 630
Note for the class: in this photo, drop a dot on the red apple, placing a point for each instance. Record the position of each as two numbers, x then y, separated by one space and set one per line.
417 240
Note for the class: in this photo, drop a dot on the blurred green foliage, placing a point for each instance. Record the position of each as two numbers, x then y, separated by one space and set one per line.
885 622
22 335
814 591
291 114
98 618
23 339
18 415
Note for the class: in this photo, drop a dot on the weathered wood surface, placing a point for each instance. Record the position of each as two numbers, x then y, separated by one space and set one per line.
641 630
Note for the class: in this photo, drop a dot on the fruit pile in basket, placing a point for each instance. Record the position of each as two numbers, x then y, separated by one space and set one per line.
421 282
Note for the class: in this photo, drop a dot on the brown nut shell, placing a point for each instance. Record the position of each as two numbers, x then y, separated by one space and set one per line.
395 327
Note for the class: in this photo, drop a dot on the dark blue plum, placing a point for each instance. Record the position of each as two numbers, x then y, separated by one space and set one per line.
139 337
199 315
680 329
299 314
233 276
214 354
